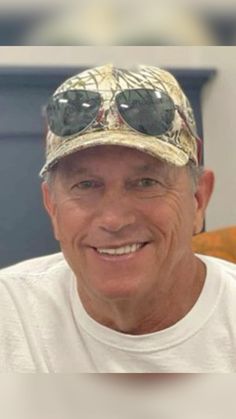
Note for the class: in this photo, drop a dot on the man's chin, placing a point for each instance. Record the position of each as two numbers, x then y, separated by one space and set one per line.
115 289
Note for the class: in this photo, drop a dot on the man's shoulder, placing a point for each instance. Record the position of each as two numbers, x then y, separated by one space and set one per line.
34 299
42 278
221 272
38 266
220 263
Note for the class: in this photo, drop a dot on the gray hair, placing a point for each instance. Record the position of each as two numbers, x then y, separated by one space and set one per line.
195 172
50 175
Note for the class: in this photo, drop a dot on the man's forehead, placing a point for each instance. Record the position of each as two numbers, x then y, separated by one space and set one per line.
100 156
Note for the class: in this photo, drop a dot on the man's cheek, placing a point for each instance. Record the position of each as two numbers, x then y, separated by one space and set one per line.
55 226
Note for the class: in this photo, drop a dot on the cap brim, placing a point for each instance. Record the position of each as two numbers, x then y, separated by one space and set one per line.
153 146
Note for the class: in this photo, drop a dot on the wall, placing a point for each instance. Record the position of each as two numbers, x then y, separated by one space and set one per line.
218 101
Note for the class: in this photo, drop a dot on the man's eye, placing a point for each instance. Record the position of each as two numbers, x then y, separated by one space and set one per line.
86 184
147 182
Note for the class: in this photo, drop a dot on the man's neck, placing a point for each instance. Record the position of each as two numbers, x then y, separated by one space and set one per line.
154 312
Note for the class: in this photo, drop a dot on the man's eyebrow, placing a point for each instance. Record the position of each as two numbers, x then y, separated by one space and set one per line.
145 168
140 168
79 170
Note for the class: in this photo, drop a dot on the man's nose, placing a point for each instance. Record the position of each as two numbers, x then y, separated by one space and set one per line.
116 212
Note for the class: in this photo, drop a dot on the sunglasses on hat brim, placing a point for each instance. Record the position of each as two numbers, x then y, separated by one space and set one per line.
146 111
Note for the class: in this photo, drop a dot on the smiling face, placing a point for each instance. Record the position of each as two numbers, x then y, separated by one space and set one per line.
124 220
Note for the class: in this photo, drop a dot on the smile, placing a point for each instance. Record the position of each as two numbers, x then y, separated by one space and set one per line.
123 250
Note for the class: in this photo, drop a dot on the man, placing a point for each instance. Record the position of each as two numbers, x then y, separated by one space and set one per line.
125 193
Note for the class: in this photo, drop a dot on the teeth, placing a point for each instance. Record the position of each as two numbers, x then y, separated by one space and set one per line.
121 250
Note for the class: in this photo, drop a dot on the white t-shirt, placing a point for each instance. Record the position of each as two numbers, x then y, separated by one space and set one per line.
44 327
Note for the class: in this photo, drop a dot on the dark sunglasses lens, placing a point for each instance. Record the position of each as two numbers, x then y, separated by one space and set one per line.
72 111
147 111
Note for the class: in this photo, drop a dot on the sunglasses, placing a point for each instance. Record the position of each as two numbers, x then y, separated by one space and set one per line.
146 111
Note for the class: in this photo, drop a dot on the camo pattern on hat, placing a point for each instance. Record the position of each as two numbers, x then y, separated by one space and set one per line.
176 146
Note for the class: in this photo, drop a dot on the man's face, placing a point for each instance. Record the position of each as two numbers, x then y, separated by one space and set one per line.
124 220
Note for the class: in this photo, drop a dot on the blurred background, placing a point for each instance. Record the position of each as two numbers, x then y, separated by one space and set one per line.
30 74
111 396
117 22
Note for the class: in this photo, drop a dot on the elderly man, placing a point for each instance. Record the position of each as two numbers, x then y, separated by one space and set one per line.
125 194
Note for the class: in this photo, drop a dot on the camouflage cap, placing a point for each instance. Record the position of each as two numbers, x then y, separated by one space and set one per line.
176 146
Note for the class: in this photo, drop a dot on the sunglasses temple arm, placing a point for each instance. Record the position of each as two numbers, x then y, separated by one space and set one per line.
199 150
199 140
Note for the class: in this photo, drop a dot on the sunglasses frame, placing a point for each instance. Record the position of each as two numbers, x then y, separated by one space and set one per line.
121 92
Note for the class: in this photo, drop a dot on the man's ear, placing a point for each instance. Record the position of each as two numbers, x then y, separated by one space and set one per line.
202 196
50 206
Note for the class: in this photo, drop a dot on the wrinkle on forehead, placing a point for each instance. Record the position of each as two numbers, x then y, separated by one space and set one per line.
95 158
